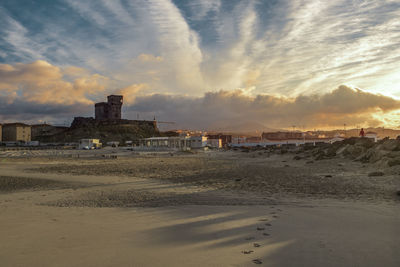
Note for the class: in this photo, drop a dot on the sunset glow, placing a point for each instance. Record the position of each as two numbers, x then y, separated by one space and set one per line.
270 64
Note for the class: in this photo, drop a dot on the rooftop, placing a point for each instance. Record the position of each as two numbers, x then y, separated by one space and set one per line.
16 124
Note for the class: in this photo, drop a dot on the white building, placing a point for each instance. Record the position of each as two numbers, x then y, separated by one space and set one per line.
165 143
173 143
293 142
198 141
238 140
214 143
89 144
372 135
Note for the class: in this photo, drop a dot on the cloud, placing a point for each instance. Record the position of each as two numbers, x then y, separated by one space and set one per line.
73 71
191 47
231 110
43 83
131 92
200 8
297 49
32 112
16 36
149 58
235 110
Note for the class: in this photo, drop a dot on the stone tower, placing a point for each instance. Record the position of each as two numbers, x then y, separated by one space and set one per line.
110 110
114 105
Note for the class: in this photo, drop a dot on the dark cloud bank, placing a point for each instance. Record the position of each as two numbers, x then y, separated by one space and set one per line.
231 110
234 110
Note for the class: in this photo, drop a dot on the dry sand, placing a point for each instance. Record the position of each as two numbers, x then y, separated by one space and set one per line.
206 209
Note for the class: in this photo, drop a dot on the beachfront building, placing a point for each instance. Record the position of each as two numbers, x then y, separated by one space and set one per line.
214 143
16 132
173 143
239 140
282 135
226 139
285 139
198 141
113 143
287 142
89 144
165 143
372 135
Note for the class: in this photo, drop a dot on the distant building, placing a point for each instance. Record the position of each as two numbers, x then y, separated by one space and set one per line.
173 143
253 139
165 143
14 132
110 110
89 144
214 143
372 135
225 138
239 140
198 141
113 143
281 135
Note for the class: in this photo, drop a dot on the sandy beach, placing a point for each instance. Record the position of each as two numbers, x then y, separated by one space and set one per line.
196 133
226 208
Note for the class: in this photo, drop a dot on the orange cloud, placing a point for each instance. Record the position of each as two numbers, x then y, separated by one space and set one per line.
42 82
74 71
130 92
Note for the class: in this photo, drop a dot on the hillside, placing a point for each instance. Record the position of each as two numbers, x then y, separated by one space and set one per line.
106 133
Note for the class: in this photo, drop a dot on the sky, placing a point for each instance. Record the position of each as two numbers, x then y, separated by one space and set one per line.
203 64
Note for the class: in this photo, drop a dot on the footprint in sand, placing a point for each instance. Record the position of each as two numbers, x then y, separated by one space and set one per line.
275 216
257 261
268 224
250 238
265 234
272 212
247 251
256 245
260 228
